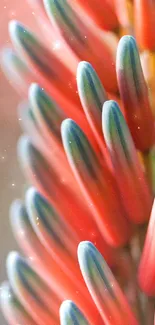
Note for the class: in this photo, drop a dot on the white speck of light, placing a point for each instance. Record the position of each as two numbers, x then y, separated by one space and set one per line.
56 45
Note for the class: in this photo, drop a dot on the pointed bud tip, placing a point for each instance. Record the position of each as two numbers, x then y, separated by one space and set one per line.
31 194
66 126
6 54
84 70
127 46
69 314
82 66
34 90
12 263
84 249
15 28
110 109
126 42
23 145
15 208
66 306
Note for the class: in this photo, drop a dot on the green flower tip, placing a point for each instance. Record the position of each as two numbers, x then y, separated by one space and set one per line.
16 30
68 127
70 314
127 52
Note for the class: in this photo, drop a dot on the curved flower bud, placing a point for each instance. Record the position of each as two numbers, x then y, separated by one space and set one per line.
49 70
16 71
92 96
70 314
134 94
101 12
58 237
12 308
103 287
144 11
97 185
146 272
128 171
51 183
87 44
30 289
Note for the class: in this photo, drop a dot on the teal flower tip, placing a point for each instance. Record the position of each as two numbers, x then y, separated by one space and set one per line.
35 199
14 26
38 97
11 305
7 55
17 31
90 89
110 114
110 106
31 195
85 250
127 53
12 264
54 5
39 210
93 266
12 65
35 91
16 209
17 266
19 220
70 314
75 142
67 311
68 127
29 156
23 39
92 96
56 9
24 147
82 68
82 76
115 130
21 275
68 123
5 293
84 247
66 307
127 40
46 112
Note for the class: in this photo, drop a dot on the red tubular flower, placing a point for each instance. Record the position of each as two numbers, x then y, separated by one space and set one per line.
134 94
127 168
146 273
144 11
80 151
101 12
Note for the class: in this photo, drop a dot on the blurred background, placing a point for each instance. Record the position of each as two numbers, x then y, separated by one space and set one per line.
11 179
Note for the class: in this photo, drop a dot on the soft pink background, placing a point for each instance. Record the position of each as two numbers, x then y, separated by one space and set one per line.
11 179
